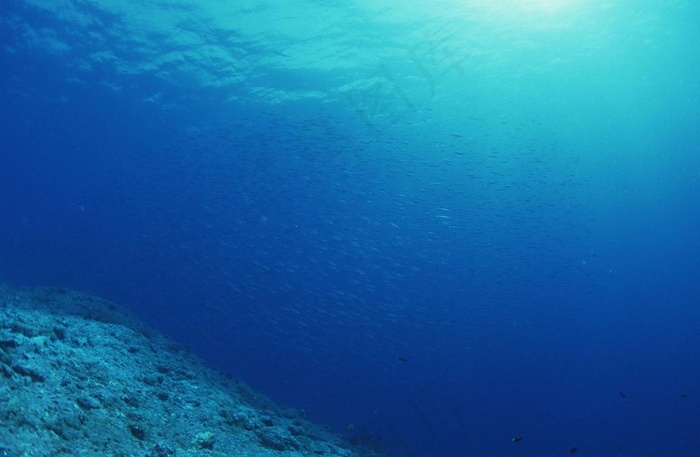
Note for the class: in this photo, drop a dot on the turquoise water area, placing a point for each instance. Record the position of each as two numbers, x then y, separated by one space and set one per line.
449 228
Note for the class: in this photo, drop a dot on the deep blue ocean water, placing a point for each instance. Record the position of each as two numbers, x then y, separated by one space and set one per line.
438 226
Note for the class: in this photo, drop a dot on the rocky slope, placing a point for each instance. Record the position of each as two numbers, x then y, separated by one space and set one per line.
80 377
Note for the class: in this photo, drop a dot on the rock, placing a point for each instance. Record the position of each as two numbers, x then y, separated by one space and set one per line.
204 440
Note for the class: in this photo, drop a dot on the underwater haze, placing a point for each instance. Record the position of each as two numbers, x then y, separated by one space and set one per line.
442 228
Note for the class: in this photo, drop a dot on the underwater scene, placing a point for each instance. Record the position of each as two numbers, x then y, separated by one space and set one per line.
363 228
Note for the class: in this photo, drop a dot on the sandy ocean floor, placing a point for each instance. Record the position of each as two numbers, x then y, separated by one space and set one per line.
81 377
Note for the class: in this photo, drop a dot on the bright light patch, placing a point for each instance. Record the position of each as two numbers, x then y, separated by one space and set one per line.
529 13
544 5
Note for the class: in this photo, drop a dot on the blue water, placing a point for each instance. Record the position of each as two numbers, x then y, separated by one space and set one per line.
435 226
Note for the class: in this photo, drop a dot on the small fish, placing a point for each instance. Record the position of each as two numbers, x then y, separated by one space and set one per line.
623 396
401 359
517 439
573 450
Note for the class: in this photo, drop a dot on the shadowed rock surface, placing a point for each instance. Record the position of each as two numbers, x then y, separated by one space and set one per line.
79 376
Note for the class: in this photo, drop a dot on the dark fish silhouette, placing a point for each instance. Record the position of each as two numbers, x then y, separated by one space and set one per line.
401 359
623 396
517 439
